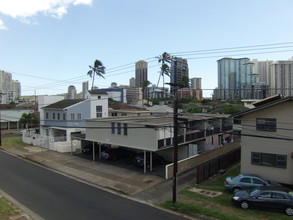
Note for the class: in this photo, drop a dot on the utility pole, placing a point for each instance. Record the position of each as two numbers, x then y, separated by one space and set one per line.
175 131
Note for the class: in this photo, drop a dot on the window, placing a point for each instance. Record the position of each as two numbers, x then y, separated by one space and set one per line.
72 116
58 116
113 127
99 97
64 116
266 124
47 115
54 116
119 128
272 160
125 129
264 195
276 195
245 180
78 116
99 111
257 181
114 114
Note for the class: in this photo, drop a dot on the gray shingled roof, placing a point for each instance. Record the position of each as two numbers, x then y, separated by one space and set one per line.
63 104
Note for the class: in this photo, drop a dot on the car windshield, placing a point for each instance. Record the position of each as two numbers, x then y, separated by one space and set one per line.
254 192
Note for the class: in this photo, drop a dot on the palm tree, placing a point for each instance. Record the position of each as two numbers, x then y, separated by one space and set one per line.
165 57
165 69
97 69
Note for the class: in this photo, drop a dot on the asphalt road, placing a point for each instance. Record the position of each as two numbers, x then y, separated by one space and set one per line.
56 197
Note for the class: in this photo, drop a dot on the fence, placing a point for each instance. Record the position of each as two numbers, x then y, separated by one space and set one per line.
216 165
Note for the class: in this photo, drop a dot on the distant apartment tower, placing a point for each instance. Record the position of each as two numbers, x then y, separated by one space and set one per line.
236 79
178 70
85 88
16 88
9 89
283 77
114 85
195 83
132 82
71 92
141 73
265 73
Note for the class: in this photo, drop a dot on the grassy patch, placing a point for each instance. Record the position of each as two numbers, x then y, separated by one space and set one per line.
6 210
219 207
13 142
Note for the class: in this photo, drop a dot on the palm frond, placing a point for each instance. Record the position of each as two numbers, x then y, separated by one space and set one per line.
90 73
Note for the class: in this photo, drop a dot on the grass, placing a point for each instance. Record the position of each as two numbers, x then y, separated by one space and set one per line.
219 207
7 211
13 142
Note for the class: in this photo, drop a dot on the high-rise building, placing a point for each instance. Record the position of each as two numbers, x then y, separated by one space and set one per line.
16 88
132 82
141 73
71 92
195 83
283 77
235 78
265 73
9 89
178 71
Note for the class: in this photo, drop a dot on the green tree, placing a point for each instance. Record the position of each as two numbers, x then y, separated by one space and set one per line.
97 69
28 120
184 82
228 109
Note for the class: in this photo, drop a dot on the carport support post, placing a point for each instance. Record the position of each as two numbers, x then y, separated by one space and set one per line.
94 153
100 150
151 161
71 144
144 161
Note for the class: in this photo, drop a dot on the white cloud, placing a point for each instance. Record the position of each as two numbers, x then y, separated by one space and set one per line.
24 10
2 26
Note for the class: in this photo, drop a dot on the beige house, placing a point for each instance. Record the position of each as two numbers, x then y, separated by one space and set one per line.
198 133
267 139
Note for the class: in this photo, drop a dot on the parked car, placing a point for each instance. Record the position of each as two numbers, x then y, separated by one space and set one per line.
247 181
89 149
264 198
115 154
156 159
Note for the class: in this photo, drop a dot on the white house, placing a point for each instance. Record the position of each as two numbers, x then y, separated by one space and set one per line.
61 119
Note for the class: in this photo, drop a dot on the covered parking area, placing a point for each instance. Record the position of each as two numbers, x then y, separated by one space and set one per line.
136 159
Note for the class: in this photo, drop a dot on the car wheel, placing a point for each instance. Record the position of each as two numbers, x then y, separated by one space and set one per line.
236 189
244 205
289 211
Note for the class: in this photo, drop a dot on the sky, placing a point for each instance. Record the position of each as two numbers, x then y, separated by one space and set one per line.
49 44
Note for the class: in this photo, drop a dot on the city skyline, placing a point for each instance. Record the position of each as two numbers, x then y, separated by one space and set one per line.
49 46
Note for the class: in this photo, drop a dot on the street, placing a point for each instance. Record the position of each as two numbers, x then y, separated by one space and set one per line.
53 196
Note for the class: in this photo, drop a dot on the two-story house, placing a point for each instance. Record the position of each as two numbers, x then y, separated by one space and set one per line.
66 117
154 133
267 139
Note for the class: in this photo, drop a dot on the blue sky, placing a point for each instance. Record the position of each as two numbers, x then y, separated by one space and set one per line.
48 44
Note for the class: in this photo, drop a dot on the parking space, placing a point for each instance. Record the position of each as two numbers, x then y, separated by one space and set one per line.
124 160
